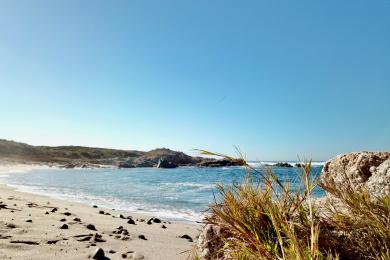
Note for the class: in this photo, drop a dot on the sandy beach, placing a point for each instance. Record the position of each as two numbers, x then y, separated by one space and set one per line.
39 227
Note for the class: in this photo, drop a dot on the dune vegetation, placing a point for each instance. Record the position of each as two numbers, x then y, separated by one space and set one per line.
264 218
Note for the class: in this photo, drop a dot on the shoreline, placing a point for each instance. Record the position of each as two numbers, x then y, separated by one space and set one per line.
43 237
13 169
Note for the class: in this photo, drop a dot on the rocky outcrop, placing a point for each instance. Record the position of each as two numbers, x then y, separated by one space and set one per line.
166 164
369 170
125 165
283 164
221 163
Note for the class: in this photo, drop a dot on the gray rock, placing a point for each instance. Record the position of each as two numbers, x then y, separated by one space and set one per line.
362 170
208 242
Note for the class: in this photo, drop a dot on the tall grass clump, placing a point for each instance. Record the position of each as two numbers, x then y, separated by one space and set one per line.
264 218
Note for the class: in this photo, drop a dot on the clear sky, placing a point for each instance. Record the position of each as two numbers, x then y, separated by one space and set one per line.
279 79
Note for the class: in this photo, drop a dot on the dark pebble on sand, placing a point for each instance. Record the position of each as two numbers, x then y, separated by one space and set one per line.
163 226
101 211
131 221
29 220
98 254
90 226
142 237
64 226
187 237
63 219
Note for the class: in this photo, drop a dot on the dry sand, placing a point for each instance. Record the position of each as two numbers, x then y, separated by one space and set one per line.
30 228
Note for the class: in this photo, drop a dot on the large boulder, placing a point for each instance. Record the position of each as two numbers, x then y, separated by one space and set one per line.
368 170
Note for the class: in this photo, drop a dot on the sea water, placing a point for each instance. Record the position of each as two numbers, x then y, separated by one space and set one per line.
177 194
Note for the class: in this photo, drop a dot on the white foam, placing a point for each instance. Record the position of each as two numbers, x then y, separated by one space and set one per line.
189 184
21 168
155 210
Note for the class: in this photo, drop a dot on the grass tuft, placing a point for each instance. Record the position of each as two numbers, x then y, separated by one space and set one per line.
263 218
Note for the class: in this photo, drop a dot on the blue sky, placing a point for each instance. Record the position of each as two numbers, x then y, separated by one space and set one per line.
279 79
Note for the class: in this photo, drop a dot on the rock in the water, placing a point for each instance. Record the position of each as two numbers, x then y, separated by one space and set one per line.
369 170
166 164
98 254
221 163
283 164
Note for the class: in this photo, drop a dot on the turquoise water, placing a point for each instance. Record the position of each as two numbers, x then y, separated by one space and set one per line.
177 194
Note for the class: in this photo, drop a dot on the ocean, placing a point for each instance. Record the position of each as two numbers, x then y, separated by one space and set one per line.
177 194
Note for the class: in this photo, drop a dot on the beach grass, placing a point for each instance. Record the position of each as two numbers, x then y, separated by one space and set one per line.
263 218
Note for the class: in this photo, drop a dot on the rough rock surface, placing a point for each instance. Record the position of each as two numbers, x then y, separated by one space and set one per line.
208 242
370 170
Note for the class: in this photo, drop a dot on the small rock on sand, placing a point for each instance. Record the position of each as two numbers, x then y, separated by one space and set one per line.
142 237
10 225
131 221
29 220
90 226
64 226
187 237
98 254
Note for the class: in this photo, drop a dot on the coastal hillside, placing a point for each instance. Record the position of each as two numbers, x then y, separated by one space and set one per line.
74 156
